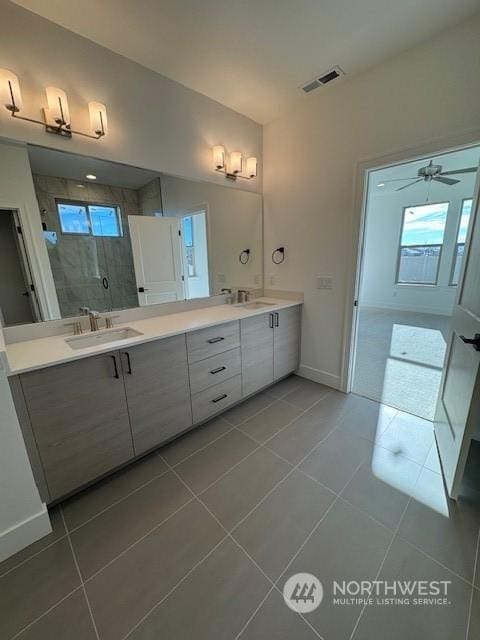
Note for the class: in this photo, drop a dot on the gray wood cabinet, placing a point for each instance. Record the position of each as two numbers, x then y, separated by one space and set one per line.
270 347
158 391
286 341
257 352
87 417
79 418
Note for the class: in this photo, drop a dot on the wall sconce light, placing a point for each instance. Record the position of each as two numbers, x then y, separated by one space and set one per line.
234 170
57 114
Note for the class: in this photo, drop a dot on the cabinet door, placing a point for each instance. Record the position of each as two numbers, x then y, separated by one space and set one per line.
257 352
158 391
78 413
286 341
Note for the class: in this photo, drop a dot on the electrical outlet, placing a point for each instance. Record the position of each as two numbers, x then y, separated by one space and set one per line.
273 280
221 278
324 282
257 278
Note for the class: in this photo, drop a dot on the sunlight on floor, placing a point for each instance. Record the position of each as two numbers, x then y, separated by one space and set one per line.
399 359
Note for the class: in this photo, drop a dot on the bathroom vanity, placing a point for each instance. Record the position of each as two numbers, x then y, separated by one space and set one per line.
88 410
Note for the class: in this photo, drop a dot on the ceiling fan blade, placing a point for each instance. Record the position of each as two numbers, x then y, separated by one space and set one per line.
397 179
445 180
452 173
409 184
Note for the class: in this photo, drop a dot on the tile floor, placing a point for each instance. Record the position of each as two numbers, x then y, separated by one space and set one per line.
400 357
197 539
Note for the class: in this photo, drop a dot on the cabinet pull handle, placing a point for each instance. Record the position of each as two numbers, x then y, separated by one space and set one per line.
214 371
222 397
127 355
270 320
277 319
213 340
115 366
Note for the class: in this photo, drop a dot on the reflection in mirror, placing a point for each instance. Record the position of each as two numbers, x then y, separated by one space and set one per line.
119 237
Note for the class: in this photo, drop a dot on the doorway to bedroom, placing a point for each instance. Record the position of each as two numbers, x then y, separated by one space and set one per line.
417 217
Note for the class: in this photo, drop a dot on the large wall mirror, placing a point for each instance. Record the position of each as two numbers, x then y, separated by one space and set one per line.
118 237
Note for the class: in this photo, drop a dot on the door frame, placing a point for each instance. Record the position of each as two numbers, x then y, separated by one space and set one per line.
362 170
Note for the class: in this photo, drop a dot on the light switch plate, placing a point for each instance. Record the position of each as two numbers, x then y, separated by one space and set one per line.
324 282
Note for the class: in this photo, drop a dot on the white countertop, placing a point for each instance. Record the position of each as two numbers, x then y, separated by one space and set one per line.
46 352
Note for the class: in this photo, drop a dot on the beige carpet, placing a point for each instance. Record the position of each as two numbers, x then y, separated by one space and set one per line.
399 358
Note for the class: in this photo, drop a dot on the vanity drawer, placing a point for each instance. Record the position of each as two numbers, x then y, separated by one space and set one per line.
216 399
211 371
208 342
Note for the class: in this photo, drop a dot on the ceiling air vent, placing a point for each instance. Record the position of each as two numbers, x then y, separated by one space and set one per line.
325 78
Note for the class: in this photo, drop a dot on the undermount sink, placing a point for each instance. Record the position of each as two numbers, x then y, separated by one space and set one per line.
257 305
102 337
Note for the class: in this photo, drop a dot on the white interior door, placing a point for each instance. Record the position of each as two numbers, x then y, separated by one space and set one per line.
457 419
157 259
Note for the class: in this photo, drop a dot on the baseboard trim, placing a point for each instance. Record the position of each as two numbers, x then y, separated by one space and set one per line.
24 533
323 377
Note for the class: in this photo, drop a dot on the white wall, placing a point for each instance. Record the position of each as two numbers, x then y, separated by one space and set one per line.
234 223
154 122
382 235
311 155
23 517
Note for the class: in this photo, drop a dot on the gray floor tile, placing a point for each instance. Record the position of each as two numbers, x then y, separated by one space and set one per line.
69 620
398 622
101 539
299 438
433 460
383 485
58 530
364 417
280 524
285 386
194 440
474 627
88 503
248 408
127 589
35 586
236 493
215 601
335 460
348 545
207 465
276 621
269 421
409 435
307 394
445 529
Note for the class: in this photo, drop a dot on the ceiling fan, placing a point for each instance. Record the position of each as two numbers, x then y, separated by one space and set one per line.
433 172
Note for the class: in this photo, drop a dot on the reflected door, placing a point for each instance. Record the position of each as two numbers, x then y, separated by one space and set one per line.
157 259
458 410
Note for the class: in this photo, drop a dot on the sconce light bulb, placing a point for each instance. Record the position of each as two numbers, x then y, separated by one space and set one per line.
252 167
58 112
10 95
236 162
219 156
98 118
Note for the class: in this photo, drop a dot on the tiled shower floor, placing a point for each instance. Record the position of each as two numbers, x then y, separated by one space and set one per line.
196 540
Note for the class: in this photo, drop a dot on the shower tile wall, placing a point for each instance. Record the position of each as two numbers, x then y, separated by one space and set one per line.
79 263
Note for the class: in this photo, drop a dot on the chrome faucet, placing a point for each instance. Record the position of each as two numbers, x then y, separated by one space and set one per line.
243 295
93 316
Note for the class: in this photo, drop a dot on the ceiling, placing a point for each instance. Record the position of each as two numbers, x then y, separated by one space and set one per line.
60 164
253 55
